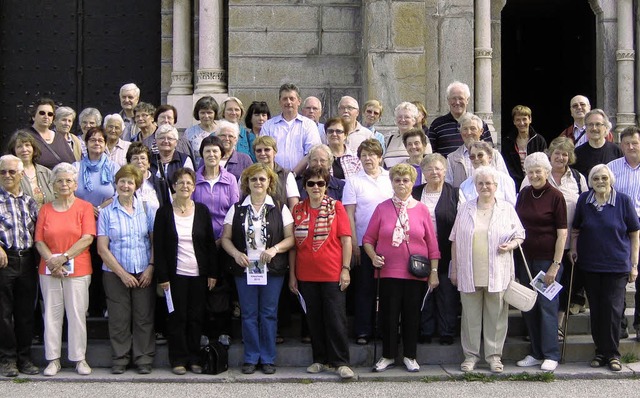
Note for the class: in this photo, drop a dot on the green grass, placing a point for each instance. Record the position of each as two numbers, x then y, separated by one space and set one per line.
545 377
306 381
629 357
21 380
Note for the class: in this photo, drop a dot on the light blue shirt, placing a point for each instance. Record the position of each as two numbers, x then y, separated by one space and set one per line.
294 139
627 180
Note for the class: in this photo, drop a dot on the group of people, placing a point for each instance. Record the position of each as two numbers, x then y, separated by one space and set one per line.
162 232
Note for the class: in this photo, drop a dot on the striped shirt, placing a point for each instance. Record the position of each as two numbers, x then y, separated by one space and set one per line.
17 220
444 135
627 180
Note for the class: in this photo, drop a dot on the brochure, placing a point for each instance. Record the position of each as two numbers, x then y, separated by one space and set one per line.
68 267
303 304
549 291
256 273
167 296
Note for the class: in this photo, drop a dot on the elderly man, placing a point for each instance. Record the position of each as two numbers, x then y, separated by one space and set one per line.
579 106
129 98
234 161
321 156
348 109
627 172
597 149
294 133
312 108
459 166
444 133
116 147
18 272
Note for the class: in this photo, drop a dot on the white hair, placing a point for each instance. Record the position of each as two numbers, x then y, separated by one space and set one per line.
167 129
115 117
413 110
65 111
460 85
67 168
12 158
130 87
537 159
227 125
87 112
468 116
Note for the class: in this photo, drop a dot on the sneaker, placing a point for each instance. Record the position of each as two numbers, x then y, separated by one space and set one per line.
224 339
144 369
317 367
549 365
52 368
268 368
468 365
118 369
28 368
495 364
248 368
83 368
197 369
9 369
160 339
345 372
179 370
528 361
383 364
411 364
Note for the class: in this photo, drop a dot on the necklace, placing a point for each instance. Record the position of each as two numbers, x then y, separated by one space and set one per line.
539 196
181 208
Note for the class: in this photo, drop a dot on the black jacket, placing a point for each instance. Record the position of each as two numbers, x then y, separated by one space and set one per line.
536 143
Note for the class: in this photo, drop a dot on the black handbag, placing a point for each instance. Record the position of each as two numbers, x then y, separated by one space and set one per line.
419 266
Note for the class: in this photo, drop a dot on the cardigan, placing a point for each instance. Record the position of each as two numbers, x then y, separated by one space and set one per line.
45 182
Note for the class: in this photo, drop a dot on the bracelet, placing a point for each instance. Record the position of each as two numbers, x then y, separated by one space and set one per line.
555 263
346 267
434 270
277 249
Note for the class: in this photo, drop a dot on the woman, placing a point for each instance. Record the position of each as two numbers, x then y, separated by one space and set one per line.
441 199
605 248
543 213
232 110
257 114
153 192
406 117
116 147
166 114
143 116
65 229
372 112
415 142
233 161
389 242
206 112
362 194
345 163
125 233
53 147
485 233
168 157
265 148
37 181
422 117
321 259
259 303
481 154
64 117
89 118
186 264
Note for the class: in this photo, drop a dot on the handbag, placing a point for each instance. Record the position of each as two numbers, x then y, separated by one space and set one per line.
419 266
518 295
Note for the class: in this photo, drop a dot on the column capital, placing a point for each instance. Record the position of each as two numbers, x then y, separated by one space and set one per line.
181 83
483 52
211 81
625 120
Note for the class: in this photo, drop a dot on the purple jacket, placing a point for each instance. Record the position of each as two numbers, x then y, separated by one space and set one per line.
218 199
237 162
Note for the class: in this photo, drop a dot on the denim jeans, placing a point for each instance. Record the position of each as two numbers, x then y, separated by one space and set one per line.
259 308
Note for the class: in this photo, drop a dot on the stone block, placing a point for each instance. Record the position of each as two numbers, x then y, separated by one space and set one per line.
166 25
341 18
456 61
376 29
269 18
273 43
166 49
340 43
408 25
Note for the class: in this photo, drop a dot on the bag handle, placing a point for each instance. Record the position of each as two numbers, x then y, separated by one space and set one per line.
526 266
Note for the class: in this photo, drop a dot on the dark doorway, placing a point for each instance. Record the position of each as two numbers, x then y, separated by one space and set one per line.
548 56
78 53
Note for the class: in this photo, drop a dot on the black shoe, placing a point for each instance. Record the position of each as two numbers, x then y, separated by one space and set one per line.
362 340
144 369
624 333
160 339
446 340
248 368
36 340
118 369
638 335
28 368
9 369
424 339
268 368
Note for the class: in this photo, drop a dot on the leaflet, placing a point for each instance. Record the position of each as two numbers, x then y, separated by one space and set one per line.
549 291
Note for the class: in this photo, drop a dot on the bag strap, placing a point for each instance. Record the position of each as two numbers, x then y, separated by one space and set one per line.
576 176
526 266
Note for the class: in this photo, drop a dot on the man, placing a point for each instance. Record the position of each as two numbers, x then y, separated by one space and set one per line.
349 110
459 166
294 133
18 272
597 149
129 98
312 108
627 172
444 132
579 107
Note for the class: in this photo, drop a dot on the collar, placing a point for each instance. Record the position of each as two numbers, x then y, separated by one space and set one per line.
280 119
382 173
116 203
268 200
4 195
591 199
223 177
626 163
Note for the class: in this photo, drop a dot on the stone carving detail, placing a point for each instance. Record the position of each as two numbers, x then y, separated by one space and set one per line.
625 55
212 76
181 79
625 119
486 117
483 52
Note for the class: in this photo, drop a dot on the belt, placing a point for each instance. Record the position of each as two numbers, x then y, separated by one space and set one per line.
19 253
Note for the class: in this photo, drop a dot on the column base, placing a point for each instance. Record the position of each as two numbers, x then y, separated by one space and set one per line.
181 83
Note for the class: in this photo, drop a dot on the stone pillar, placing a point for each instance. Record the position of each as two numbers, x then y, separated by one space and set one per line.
483 54
625 56
212 78
180 93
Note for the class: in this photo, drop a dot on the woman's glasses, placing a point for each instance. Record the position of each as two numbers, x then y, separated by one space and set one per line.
320 184
42 113
256 179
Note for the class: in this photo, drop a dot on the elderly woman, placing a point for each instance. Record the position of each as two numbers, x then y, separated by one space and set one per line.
345 163
64 117
269 247
605 248
143 116
459 166
441 199
53 147
233 160
37 182
206 112
265 148
486 231
65 229
169 158
481 154
116 148
321 259
153 192
89 118
362 194
166 114
371 114
125 232
406 116
415 142
543 213
389 242
257 114
186 264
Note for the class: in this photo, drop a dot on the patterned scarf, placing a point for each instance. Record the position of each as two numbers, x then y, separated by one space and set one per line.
322 226
401 231
102 166
251 233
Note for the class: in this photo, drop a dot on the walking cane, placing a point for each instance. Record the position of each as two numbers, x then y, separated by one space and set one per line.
565 320
375 325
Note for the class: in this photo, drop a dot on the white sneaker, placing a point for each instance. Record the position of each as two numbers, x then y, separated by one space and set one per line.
383 364
83 368
52 368
528 361
345 372
411 364
549 365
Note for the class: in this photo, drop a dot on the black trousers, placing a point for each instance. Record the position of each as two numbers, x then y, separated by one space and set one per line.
184 326
400 299
18 288
364 286
441 309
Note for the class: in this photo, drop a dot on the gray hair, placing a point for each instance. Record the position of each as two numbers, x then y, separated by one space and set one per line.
432 158
167 129
322 147
483 146
485 171
86 112
598 169
468 116
130 87
65 111
348 97
227 125
12 158
460 85
537 159
67 168
115 117
413 110
600 112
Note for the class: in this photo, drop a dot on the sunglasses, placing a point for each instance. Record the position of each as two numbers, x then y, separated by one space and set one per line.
320 184
10 172
334 131
42 113
255 179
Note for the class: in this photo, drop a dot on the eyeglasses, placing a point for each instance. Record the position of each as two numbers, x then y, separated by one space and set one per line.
320 184
372 112
596 125
10 172
184 183
594 178
402 181
479 155
404 117
334 131
256 179
264 150
96 141
485 184
579 105
42 113
166 139
347 108
429 170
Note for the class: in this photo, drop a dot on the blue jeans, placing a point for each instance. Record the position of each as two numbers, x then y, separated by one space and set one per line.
259 305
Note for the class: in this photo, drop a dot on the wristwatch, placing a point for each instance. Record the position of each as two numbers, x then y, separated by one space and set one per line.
66 255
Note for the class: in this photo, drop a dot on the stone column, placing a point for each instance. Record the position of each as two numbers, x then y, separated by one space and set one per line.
625 56
483 54
181 90
212 78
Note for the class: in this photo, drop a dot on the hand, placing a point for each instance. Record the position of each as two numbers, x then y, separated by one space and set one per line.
96 212
241 259
573 256
164 286
506 247
433 280
550 275
293 284
454 280
345 280
211 283
633 275
4 261
268 255
378 261
58 273
55 262
129 280
146 278
355 253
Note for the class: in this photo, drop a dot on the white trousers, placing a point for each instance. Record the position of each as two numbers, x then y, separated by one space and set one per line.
486 314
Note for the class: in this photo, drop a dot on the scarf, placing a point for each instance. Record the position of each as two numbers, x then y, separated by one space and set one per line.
322 225
251 233
401 230
102 166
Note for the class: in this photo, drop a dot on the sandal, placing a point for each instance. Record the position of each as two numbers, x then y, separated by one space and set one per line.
597 362
495 364
468 365
615 365
560 335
